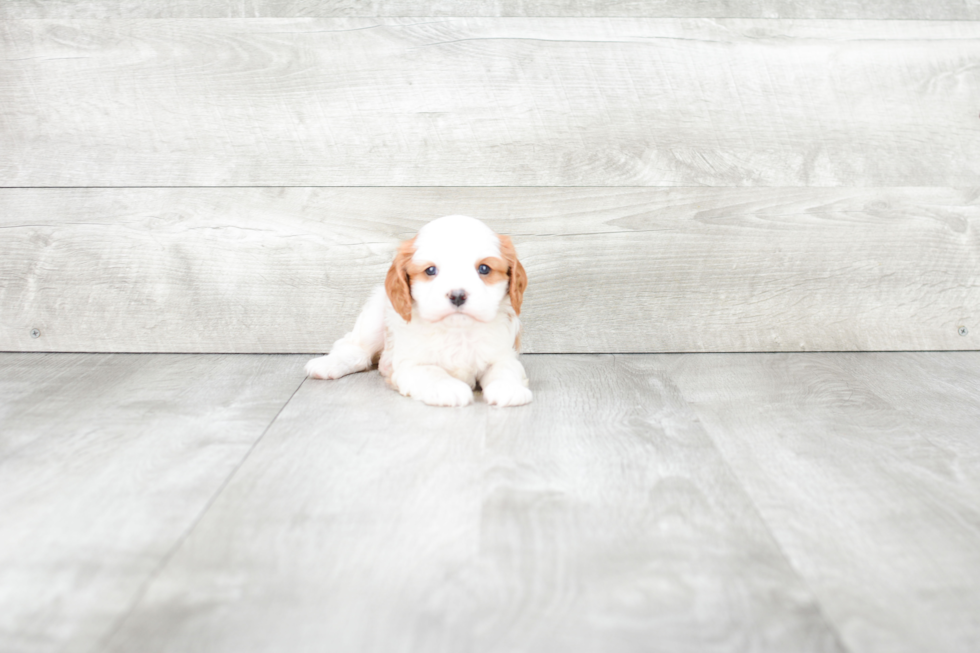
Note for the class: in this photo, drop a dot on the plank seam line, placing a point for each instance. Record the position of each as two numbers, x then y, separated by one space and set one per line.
817 601
662 187
971 19
771 352
138 597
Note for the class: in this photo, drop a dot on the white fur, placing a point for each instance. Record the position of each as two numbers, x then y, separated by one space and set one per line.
444 350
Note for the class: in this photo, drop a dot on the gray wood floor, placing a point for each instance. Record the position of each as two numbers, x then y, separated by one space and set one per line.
693 502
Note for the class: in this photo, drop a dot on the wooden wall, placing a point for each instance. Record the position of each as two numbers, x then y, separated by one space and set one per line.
677 176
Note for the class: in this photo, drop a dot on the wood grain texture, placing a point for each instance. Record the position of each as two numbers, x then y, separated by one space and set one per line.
934 9
866 468
611 269
106 461
489 102
598 518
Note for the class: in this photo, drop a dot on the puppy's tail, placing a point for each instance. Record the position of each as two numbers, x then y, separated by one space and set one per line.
368 333
357 350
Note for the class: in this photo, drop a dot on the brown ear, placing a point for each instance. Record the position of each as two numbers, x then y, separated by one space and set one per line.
396 283
515 273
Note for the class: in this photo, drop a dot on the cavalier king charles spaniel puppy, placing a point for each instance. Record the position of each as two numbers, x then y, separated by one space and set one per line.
445 319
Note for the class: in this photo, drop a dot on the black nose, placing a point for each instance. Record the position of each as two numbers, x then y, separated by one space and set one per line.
457 297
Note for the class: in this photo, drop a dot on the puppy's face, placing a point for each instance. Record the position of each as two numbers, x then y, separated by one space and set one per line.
455 268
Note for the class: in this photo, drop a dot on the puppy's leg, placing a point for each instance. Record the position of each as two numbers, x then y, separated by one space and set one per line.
505 384
355 351
432 385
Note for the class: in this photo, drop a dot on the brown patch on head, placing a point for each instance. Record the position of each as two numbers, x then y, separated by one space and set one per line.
416 272
515 272
498 270
397 282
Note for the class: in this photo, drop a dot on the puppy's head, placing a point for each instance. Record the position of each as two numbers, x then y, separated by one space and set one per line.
455 268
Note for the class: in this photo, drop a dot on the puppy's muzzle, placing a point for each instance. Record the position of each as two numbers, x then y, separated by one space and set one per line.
457 297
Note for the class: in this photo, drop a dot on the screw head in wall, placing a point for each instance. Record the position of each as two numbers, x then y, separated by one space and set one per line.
963 331
35 333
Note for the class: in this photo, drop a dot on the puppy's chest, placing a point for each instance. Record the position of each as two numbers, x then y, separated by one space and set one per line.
463 351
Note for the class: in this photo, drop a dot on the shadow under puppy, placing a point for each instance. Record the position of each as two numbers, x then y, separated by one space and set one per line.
445 319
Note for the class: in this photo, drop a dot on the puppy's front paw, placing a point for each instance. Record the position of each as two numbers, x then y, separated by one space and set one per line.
446 392
328 367
507 393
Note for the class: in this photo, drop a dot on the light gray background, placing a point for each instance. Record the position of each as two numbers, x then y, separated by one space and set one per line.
707 176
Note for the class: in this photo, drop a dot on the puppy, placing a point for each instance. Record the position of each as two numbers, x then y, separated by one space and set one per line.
445 319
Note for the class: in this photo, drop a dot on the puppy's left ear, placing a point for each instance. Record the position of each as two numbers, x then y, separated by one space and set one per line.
516 275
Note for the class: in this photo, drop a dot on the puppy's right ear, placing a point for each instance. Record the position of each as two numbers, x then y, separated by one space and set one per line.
397 282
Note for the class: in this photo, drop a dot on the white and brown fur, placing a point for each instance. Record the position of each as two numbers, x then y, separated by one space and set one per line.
435 336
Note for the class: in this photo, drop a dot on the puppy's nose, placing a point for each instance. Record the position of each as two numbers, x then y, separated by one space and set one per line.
457 297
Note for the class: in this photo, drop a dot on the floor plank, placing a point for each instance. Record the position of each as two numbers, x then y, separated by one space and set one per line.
692 502
488 102
106 461
936 9
611 269
598 518
866 469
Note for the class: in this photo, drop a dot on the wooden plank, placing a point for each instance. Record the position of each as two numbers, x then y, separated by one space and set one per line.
866 468
488 102
106 461
599 517
611 269
934 9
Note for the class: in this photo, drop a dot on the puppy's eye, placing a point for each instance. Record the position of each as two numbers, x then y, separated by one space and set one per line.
484 268
431 270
